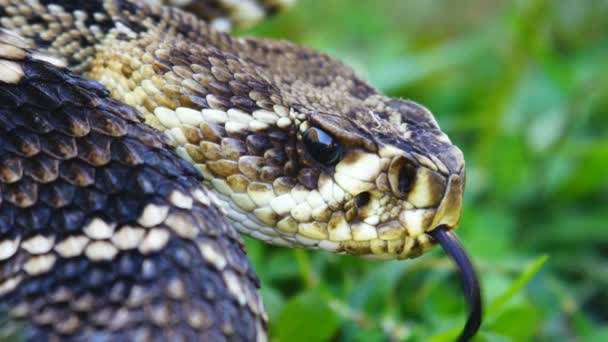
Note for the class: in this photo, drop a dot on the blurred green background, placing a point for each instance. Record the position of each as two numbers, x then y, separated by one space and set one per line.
522 88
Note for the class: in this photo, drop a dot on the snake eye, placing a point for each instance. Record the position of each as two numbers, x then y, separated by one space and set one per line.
322 146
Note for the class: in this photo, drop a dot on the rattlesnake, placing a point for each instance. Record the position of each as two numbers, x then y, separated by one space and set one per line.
114 194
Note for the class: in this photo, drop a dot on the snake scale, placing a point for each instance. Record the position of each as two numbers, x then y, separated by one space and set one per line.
137 138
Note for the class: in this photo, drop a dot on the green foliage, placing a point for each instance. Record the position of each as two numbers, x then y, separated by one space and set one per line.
522 88
291 327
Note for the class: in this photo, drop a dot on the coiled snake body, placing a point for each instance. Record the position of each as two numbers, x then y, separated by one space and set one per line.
113 195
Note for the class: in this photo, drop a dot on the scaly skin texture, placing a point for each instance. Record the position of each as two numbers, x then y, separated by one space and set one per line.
237 109
225 14
105 234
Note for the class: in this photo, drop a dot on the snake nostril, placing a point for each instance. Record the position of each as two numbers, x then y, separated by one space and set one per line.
362 199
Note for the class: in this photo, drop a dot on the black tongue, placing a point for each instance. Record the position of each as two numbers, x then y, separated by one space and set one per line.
448 240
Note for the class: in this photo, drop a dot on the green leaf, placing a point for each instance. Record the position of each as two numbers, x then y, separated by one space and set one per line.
306 317
516 287
599 335
500 302
519 323
273 301
447 336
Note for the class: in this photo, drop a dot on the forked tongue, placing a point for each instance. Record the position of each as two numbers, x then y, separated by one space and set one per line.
448 240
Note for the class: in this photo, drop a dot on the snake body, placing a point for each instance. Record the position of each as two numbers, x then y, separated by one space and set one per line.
103 228
106 232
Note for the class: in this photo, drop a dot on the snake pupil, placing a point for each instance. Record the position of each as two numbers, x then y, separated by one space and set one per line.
322 146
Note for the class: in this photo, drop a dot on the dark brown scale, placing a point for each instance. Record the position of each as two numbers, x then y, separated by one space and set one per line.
239 135
257 144
105 122
13 98
309 177
123 111
57 195
11 169
72 97
59 146
223 101
198 58
36 218
291 168
39 72
221 74
91 200
146 136
46 98
127 152
275 156
259 86
239 88
22 143
97 160
179 56
265 104
216 58
22 194
243 103
77 173
112 180
219 88
7 217
270 173
96 150
193 101
72 123
280 135
42 169
36 119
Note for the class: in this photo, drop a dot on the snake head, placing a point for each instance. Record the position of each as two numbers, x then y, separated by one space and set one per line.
389 173
396 182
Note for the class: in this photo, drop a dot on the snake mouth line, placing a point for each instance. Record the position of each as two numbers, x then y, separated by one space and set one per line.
452 246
